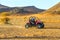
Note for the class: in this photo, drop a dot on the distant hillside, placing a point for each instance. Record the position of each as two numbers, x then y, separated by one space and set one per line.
55 7
27 9
20 10
2 6
54 10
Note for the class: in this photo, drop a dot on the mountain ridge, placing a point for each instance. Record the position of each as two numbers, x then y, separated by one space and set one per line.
21 10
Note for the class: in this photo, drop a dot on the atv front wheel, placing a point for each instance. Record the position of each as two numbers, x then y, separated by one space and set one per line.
40 25
27 25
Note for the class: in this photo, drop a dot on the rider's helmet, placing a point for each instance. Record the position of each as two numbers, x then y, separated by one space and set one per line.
32 18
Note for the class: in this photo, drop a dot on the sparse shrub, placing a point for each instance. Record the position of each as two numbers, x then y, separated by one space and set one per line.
5 20
56 12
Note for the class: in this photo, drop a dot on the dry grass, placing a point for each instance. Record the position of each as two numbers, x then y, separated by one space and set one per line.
16 27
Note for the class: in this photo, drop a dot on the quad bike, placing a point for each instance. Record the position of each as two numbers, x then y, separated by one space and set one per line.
33 22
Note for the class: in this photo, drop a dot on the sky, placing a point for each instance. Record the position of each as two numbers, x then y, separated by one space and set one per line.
42 4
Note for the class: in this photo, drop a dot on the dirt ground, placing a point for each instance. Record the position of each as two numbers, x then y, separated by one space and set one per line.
17 31
10 32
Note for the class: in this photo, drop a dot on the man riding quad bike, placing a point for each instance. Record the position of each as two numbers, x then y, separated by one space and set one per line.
34 22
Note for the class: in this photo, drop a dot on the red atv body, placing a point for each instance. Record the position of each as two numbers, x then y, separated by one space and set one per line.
34 22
